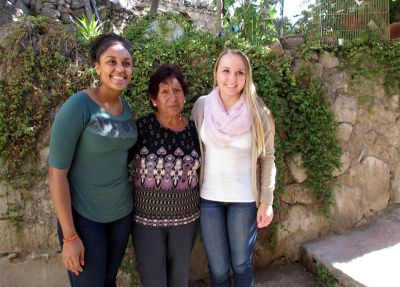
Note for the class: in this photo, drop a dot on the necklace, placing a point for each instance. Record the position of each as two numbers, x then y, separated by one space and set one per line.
176 125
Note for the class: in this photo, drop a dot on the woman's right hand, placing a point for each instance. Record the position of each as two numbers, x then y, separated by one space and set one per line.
73 255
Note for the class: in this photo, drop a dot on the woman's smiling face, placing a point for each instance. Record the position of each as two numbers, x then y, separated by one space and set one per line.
231 75
115 67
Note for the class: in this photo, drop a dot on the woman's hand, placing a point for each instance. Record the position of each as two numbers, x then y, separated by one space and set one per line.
265 214
73 256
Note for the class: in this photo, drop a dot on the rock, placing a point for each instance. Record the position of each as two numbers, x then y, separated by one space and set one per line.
328 60
345 109
78 12
372 177
317 69
6 12
77 4
10 241
168 29
302 224
394 102
12 255
395 191
296 194
372 25
336 80
297 170
292 42
66 18
51 13
187 3
344 164
344 131
20 5
43 157
202 3
276 48
392 134
346 210
34 273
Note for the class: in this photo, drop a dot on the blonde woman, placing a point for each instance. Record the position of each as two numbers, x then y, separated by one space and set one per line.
237 177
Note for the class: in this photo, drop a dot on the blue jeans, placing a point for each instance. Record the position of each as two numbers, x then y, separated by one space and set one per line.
105 245
229 232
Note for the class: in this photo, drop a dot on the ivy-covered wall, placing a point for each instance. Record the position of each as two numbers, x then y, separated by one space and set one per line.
336 112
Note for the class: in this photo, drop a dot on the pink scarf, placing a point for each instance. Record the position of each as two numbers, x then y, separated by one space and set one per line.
221 126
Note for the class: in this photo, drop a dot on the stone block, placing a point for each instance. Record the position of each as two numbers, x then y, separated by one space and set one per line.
276 48
296 194
297 170
345 109
302 224
344 131
51 13
292 42
41 272
336 80
76 4
10 241
346 211
395 190
328 60
344 164
372 177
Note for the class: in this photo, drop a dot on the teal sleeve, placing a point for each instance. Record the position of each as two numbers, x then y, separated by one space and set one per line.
65 132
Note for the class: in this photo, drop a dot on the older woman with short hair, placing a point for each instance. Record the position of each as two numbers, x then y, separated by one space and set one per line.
167 161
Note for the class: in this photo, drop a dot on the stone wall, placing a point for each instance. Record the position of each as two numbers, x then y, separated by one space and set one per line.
368 128
115 11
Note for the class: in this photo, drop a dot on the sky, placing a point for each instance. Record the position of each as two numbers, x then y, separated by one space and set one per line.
294 7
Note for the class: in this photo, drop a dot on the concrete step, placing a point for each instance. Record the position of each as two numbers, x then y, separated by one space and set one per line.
365 256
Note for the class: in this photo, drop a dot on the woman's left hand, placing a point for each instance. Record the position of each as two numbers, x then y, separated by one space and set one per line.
265 214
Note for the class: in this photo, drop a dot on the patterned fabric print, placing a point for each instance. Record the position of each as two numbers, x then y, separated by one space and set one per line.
101 125
166 174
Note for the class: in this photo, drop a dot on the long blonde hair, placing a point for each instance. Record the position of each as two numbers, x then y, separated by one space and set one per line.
255 105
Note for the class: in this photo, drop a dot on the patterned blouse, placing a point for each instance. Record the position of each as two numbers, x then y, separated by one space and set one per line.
166 174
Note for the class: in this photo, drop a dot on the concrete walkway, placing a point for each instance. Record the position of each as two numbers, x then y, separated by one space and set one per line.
365 256
288 275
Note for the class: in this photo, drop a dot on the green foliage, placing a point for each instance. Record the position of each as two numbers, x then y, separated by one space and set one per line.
303 118
373 59
88 30
394 10
252 20
13 215
129 266
324 277
37 76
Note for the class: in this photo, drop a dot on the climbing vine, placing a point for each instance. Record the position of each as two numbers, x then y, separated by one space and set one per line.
38 61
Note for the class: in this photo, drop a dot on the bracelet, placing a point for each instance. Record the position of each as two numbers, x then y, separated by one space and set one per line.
72 238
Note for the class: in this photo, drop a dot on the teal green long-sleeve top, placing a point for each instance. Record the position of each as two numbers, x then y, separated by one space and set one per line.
93 145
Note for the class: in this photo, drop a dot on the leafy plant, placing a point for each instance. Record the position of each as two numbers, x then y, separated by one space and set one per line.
394 11
324 277
88 29
37 76
252 20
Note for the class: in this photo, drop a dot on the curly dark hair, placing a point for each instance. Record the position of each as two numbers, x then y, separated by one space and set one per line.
164 72
103 42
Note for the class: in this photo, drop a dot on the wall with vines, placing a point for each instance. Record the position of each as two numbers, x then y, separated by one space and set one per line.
41 66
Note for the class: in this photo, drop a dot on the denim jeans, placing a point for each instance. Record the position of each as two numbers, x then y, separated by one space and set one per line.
229 233
163 253
105 245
